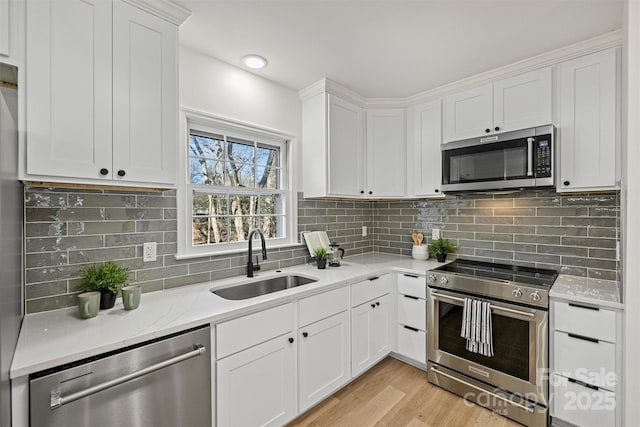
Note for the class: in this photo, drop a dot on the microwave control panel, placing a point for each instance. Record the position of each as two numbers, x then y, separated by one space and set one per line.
543 157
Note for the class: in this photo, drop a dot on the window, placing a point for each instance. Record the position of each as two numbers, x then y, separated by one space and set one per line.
236 180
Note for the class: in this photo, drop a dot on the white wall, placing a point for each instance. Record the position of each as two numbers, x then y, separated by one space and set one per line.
631 214
215 87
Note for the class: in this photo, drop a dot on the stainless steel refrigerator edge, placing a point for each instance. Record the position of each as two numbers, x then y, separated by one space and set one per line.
11 236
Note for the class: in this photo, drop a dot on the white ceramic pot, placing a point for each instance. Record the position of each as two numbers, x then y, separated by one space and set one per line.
420 253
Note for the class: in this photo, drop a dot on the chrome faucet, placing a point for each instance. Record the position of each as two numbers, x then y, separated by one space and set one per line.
250 267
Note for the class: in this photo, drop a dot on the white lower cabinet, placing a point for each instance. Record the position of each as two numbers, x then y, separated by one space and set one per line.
371 333
256 369
582 405
412 343
585 361
257 387
412 317
324 355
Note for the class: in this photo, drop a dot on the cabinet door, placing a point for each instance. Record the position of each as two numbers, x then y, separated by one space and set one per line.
468 114
427 157
68 49
386 153
346 148
324 355
383 337
257 387
522 101
4 27
587 130
145 101
361 335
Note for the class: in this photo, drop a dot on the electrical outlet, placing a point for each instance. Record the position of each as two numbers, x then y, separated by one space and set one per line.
435 233
149 251
364 231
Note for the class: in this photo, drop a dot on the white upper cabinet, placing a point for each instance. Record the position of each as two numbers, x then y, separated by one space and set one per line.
145 99
587 128
523 101
69 80
346 148
4 28
518 102
468 114
386 152
426 157
338 161
333 147
101 104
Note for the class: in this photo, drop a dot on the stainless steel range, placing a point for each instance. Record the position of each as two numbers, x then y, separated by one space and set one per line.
512 382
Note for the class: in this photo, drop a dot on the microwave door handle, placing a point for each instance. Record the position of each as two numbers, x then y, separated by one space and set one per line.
530 156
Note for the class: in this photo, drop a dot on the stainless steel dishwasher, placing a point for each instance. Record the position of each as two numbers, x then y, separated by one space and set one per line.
163 382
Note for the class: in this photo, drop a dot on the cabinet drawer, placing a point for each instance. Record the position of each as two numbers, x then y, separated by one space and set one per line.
582 406
244 332
412 312
582 320
412 344
588 361
413 285
371 288
321 306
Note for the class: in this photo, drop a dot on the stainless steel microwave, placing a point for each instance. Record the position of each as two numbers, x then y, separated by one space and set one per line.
518 159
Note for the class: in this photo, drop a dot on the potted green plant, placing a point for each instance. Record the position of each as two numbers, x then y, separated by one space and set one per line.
441 247
320 254
107 279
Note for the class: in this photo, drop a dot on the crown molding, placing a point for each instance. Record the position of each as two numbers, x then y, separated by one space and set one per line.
554 57
168 10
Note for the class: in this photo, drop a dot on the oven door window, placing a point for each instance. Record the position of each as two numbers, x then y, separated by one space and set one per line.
489 162
511 341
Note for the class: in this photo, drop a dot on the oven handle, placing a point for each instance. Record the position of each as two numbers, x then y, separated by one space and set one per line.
451 377
493 307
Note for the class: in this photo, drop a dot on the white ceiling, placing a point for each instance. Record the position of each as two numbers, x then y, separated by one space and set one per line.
390 48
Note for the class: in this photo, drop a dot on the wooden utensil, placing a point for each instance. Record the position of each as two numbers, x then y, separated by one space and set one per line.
420 238
414 236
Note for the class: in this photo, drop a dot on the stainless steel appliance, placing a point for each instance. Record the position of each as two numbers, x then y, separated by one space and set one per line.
11 227
517 159
514 381
164 382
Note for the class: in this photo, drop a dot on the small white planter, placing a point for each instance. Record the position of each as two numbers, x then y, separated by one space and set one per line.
420 253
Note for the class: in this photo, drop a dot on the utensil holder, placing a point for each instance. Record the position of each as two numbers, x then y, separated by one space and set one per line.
420 253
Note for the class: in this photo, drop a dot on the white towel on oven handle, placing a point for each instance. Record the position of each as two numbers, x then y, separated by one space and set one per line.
477 327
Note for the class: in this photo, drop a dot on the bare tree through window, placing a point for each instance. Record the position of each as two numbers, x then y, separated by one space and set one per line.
236 188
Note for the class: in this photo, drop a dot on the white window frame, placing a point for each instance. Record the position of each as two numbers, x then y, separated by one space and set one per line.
215 124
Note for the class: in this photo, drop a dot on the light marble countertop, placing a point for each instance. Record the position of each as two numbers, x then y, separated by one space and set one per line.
57 337
603 293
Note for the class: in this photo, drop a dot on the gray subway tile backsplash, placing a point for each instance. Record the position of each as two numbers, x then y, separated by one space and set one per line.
67 230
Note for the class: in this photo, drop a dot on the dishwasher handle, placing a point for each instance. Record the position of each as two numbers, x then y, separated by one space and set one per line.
57 400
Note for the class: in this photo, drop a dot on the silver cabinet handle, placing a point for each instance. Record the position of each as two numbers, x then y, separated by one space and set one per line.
493 307
497 396
57 400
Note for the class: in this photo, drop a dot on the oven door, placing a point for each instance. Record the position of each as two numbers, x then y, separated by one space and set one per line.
520 362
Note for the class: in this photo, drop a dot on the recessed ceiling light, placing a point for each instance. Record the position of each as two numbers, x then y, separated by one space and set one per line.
254 61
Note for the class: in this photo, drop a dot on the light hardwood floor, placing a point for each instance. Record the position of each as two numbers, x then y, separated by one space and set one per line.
396 394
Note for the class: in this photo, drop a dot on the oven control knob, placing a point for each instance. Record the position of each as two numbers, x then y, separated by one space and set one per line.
444 280
535 296
517 293
431 278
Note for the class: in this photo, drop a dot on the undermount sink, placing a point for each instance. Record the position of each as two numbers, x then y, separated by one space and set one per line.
262 287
